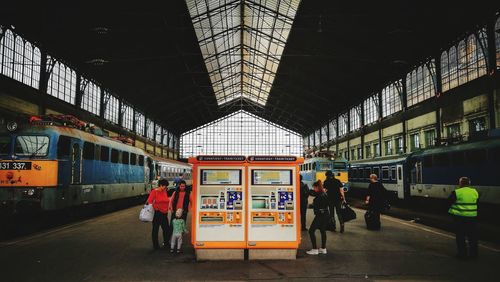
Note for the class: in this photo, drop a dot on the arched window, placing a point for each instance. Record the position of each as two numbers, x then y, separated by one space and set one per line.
8 54
445 72
497 41
1 47
53 84
472 58
462 62
139 123
28 64
37 61
91 98
453 67
19 59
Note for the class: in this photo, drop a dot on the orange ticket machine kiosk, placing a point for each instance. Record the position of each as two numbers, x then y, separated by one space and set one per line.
218 219
273 215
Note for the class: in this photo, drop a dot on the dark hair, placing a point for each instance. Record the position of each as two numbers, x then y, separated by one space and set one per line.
329 173
180 174
163 182
182 182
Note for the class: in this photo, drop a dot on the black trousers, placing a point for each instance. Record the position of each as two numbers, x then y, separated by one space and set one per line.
333 206
160 219
320 222
303 214
466 228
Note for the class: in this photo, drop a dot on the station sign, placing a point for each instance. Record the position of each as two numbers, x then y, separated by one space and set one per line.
272 158
221 158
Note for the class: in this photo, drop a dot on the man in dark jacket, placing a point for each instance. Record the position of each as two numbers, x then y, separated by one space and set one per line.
376 199
335 193
304 201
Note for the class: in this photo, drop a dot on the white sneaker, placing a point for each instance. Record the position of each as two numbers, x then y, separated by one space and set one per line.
313 252
322 251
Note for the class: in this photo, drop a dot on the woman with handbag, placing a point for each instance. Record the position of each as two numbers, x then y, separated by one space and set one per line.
321 219
160 201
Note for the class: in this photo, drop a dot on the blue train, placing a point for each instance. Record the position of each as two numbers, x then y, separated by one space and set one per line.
47 166
434 172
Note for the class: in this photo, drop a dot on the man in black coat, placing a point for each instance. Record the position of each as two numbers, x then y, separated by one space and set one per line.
304 201
335 192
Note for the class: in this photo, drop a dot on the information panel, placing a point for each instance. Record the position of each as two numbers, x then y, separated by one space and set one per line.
271 177
220 177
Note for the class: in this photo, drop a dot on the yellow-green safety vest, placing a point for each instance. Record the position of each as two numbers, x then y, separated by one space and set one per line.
466 203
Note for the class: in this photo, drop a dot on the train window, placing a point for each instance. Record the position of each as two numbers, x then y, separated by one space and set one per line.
63 146
385 173
125 156
88 150
31 145
475 157
104 154
494 155
141 160
133 159
393 173
441 160
376 171
368 171
457 158
114 156
314 166
428 161
97 153
400 173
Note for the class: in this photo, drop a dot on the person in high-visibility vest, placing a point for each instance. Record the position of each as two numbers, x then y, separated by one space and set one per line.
464 211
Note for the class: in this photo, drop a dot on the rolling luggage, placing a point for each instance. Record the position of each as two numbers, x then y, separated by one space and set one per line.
372 221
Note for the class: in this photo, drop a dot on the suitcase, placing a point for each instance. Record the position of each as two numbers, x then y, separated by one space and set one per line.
371 221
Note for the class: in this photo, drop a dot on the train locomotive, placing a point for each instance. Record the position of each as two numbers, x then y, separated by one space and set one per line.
434 172
314 169
47 165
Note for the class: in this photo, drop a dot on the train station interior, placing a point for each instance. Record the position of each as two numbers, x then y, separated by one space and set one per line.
241 112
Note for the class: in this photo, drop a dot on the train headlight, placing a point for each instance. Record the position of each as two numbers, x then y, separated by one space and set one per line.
31 192
11 126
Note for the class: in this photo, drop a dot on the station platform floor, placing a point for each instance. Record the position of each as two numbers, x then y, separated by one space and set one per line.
117 247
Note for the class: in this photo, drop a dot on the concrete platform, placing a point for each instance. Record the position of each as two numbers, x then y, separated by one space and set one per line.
272 254
117 247
219 254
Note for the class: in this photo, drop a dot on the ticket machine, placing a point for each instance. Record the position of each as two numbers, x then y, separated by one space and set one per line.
273 207
218 221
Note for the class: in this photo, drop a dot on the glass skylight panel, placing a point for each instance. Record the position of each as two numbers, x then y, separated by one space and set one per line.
242 46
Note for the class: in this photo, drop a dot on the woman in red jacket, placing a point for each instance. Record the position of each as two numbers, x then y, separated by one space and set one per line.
159 198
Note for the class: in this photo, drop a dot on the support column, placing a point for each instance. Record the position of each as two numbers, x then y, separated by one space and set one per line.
80 88
404 107
379 94
44 80
362 128
492 70
439 93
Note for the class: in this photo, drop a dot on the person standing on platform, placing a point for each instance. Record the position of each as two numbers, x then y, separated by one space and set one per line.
304 201
179 228
181 199
376 199
178 179
321 219
336 196
463 208
160 201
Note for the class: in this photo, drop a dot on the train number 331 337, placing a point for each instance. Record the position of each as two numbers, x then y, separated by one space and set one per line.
15 165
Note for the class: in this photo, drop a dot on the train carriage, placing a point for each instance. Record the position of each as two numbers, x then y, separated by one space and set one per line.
434 172
44 166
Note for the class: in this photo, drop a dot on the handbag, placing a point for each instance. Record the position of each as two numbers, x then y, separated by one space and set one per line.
147 213
347 212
